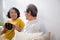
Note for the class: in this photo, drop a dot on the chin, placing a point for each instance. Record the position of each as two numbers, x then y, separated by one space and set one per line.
14 18
26 18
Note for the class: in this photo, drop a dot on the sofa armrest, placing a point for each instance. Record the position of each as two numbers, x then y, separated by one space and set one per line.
47 36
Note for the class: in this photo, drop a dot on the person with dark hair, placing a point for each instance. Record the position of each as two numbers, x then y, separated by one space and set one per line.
33 9
33 25
31 16
14 21
12 10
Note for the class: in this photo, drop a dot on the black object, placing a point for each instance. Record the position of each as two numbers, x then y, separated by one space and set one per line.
8 26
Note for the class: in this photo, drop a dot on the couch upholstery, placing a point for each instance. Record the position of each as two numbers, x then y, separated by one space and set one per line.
32 36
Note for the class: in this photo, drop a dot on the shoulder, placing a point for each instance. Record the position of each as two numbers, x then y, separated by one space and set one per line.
19 19
8 20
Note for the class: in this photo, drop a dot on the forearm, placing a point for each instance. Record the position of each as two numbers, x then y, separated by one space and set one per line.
18 29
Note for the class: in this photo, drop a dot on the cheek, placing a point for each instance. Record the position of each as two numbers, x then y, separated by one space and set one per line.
16 15
13 15
27 16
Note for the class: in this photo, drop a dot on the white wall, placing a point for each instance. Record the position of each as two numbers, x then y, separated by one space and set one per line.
1 10
51 15
49 12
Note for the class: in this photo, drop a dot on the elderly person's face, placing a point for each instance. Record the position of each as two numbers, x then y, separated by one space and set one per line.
28 15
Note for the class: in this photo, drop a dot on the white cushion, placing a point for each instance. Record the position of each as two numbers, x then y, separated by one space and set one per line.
31 36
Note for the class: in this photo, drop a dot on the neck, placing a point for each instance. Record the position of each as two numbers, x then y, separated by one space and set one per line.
14 19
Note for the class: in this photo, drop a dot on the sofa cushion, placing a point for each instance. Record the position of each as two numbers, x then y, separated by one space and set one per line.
32 36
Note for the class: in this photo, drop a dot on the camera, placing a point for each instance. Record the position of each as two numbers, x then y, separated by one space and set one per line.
8 26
